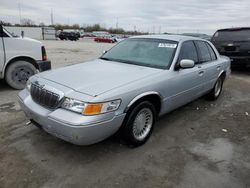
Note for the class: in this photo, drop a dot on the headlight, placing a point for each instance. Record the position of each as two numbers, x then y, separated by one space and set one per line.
90 108
28 85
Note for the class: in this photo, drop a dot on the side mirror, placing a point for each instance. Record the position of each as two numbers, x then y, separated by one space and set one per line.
104 51
187 63
1 30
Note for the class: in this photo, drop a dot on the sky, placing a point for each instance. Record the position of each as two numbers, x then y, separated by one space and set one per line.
153 16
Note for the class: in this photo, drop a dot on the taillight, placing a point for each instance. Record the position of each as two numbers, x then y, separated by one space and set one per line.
44 55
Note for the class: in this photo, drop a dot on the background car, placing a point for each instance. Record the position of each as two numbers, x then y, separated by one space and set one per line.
105 39
199 35
68 36
20 58
234 43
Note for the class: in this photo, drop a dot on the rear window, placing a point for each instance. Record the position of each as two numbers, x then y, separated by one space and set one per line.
235 35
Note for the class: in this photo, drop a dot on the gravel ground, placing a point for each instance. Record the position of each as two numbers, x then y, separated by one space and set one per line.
203 144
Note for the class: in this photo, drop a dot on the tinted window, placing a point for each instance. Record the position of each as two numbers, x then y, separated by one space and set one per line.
204 52
234 34
188 51
212 53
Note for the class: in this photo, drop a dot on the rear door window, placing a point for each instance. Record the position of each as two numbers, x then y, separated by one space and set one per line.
212 53
204 54
188 51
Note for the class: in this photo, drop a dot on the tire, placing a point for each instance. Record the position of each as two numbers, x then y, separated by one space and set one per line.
18 73
144 114
216 91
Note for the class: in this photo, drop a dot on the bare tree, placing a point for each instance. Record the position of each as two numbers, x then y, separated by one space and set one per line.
27 22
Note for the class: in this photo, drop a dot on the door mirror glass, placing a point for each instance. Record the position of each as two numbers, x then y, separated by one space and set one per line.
1 31
187 63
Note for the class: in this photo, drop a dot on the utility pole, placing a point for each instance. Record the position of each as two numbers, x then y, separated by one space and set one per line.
116 23
52 17
19 8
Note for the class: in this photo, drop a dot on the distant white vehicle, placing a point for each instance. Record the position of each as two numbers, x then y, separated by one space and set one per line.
100 33
20 58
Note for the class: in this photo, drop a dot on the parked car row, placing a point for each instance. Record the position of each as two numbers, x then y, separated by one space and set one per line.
154 74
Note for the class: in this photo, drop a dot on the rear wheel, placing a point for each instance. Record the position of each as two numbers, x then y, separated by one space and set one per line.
18 73
139 124
216 91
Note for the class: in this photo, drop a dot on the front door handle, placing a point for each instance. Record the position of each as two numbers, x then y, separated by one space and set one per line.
218 68
201 73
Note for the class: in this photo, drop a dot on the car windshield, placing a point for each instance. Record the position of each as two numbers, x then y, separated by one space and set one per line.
157 53
235 35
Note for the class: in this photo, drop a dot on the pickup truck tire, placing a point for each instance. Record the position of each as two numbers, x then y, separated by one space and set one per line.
18 73
138 125
216 91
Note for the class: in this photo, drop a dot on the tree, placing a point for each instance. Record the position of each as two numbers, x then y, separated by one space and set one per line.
5 23
76 26
41 24
27 22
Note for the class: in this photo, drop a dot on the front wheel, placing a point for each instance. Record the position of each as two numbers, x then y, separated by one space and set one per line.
18 73
216 91
139 124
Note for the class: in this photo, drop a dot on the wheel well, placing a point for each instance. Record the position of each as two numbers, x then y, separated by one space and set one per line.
153 98
223 75
28 59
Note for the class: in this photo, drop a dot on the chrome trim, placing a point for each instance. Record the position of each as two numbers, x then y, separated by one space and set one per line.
49 88
142 95
221 72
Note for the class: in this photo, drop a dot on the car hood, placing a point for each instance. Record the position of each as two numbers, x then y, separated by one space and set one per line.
98 76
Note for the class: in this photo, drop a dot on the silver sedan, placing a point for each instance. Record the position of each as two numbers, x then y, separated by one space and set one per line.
126 89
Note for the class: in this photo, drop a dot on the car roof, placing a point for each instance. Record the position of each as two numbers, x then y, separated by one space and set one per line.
176 38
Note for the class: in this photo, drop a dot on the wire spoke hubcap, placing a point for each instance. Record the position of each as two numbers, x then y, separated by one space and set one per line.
142 123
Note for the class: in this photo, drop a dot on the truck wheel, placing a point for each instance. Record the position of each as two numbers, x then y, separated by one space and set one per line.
18 73
216 91
139 123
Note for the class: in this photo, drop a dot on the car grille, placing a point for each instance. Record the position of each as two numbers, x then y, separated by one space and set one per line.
230 48
44 97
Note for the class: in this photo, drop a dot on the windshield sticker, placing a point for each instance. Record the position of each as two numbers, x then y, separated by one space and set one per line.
167 45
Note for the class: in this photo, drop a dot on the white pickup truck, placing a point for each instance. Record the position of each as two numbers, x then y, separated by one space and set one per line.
20 58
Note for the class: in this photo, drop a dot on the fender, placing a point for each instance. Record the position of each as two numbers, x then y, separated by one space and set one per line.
141 96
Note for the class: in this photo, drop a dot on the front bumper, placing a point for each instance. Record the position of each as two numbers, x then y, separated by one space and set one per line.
70 126
43 65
